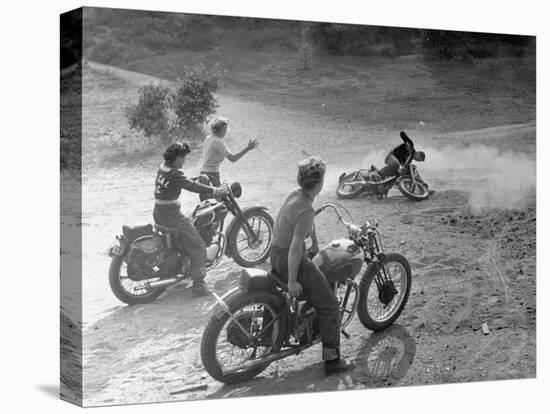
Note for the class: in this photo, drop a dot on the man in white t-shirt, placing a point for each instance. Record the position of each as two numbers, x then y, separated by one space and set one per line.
214 152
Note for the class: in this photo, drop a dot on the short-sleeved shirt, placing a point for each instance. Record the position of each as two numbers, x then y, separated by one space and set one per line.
214 152
170 182
295 218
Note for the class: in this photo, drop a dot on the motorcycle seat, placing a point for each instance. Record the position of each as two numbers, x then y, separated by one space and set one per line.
165 229
256 279
135 232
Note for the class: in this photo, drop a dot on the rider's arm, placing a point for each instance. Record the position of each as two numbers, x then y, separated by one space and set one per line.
296 251
407 140
190 185
236 157
314 241
295 254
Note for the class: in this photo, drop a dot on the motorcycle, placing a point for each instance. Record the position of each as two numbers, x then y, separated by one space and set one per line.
257 322
146 259
368 182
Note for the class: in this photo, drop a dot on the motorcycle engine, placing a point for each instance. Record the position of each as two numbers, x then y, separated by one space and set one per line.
144 256
307 328
208 232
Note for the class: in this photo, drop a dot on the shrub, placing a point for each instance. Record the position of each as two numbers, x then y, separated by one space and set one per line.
362 40
176 110
192 101
150 115
273 38
108 51
466 45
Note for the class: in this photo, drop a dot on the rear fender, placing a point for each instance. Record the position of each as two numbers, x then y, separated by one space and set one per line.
120 248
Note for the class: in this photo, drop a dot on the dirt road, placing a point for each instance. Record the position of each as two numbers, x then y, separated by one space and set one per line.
468 269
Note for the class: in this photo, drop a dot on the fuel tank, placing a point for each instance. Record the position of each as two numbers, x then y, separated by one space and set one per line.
339 260
208 212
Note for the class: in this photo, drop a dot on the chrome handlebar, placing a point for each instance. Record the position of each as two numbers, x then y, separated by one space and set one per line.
354 230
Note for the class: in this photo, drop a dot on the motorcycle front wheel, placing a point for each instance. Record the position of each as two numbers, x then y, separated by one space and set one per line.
234 342
127 290
246 251
349 187
417 191
384 291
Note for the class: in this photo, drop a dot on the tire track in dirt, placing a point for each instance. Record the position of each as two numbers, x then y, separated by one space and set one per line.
492 266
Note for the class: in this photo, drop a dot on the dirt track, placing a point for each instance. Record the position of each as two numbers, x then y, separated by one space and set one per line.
467 269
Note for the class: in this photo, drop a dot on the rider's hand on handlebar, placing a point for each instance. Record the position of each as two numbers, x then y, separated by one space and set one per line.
222 191
353 229
312 251
294 289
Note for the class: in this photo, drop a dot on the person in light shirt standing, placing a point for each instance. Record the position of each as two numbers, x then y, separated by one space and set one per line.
215 151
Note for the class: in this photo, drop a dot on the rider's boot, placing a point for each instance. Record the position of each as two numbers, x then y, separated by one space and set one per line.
200 289
338 365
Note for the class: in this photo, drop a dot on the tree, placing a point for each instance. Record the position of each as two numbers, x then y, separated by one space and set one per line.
150 115
178 110
192 101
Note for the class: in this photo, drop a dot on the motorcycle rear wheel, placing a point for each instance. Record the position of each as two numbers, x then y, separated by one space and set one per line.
417 191
122 293
342 190
222 332
369 292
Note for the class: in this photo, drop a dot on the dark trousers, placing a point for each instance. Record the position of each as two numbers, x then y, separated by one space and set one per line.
214 182
193 244
391 168
317 291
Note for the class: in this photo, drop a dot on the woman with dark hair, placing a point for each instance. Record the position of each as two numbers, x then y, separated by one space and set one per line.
294 224
214 151
168 185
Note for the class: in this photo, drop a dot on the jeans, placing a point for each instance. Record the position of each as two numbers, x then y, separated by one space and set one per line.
193 244
391 168
214 182
317 291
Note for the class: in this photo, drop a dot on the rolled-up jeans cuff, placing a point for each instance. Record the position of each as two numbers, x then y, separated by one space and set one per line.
197 275
330 354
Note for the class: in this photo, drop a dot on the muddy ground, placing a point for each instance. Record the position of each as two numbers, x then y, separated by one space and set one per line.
472 256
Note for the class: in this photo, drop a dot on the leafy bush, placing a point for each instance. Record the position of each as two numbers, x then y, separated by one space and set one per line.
466 45
107 51
192 100
273 38
348 39
179 109
150 115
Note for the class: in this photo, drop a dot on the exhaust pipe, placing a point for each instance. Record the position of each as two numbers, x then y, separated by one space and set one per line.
159 283
268 359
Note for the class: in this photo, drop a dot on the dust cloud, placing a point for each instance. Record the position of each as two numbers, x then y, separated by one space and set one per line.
494 179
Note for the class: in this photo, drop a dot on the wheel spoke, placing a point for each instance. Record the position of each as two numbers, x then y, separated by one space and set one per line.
231 351
396 274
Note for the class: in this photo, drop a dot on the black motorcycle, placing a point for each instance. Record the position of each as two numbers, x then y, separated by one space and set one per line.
146 259
257 322
369 182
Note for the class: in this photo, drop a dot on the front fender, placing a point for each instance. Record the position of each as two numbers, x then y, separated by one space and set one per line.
234 222
344 175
